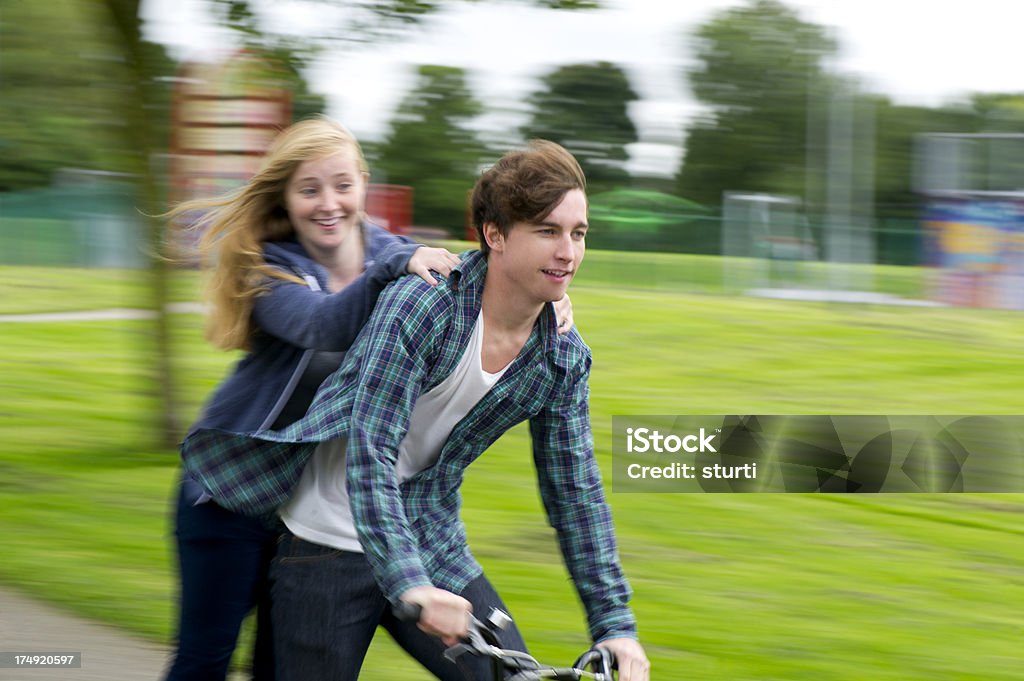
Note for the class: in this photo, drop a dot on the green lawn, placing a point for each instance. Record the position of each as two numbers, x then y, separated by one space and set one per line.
727 587
43 289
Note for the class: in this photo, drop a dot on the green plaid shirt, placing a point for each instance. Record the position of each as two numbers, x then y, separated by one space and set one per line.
411 532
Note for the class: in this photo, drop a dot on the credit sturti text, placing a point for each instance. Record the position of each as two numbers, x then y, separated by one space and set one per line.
685 471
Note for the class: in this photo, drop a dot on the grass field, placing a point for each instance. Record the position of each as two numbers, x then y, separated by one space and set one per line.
727 587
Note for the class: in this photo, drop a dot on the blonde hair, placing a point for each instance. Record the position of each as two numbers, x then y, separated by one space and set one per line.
237 224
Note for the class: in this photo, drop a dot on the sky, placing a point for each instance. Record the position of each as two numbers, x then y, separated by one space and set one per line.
914 51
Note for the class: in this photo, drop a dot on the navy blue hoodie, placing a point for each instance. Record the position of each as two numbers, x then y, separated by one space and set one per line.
293 322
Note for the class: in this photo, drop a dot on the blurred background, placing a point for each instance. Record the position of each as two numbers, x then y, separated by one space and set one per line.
796 207
669 106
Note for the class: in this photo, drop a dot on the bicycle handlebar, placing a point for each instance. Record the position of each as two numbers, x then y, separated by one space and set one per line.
483 640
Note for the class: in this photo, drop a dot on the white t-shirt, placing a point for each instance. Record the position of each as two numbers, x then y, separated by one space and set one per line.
319 508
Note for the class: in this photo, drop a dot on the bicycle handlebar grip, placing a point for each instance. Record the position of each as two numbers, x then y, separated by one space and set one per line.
407 612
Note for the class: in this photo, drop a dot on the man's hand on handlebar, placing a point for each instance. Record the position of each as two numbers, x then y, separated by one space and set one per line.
632 661
513 665
442 613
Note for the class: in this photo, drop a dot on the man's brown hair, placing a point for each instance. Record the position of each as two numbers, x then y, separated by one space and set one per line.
524 186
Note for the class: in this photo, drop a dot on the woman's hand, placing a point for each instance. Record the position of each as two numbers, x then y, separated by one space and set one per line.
563 313
426 258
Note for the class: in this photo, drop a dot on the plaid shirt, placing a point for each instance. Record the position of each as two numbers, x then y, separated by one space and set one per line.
411 532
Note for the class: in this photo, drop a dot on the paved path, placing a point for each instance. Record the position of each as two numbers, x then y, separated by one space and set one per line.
107 653
100 315
30 626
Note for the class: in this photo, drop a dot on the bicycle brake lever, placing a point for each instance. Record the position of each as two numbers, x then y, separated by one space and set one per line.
458 650
476 643
602 658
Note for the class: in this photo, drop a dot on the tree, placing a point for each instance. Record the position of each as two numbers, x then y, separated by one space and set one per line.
758 67
283 52
431 147
999 112
584 107
63 107
140 137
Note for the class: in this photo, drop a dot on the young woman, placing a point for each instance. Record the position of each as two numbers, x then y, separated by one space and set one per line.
298 270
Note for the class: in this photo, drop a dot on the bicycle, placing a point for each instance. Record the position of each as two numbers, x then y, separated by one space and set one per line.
483 640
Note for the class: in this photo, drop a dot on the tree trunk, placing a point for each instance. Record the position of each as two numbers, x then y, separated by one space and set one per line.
139 135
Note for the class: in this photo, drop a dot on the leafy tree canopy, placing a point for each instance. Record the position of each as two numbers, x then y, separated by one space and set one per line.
584 107
758 65
432 147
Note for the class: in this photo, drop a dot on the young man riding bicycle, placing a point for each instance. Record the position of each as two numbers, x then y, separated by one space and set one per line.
436 377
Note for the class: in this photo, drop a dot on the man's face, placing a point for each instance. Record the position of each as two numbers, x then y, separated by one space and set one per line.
541 259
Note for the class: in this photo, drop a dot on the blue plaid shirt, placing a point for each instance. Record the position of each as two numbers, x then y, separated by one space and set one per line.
411 532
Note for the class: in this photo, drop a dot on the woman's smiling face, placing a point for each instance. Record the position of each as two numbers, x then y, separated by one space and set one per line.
324 199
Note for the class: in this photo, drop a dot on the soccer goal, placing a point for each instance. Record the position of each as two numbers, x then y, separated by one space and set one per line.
767 244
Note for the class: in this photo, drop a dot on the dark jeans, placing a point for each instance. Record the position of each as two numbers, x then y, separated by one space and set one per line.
327 606
223 559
